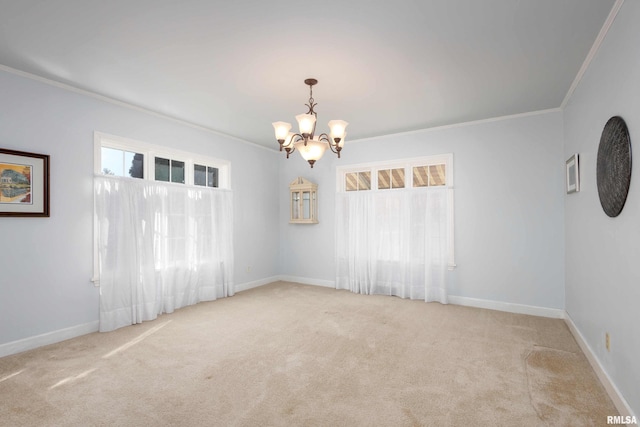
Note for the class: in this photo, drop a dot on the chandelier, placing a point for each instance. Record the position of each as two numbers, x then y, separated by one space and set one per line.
310 146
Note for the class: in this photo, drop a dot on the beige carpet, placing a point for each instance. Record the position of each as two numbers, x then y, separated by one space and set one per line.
293 355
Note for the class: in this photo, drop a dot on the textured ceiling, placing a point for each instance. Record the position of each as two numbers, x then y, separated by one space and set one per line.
235 67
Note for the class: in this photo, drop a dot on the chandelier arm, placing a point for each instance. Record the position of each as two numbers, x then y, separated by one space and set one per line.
290 148
301 137
293 140
327 139
324 137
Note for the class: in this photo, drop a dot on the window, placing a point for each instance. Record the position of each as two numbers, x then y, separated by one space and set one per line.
390 178
392 184
127 158
357 181
168 170
206 176
417 173
429 176
121 163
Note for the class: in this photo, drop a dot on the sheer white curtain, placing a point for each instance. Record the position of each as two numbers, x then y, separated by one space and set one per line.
394 242
161 247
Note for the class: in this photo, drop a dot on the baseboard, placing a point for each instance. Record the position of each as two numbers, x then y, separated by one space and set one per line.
554 313
64 334
613 392
308 281
49 338
296 279
256 283
30 343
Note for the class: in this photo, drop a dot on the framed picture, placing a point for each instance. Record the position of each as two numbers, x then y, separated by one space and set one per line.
573 174
24 183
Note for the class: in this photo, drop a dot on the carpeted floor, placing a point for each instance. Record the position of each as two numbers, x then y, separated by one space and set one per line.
293 355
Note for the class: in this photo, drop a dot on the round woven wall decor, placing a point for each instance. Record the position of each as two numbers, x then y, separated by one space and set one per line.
613 169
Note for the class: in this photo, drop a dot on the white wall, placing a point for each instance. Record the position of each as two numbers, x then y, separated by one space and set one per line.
307 250
603 254
512 221
509 213
46 263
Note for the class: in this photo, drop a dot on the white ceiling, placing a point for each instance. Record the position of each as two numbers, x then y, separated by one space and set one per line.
235 67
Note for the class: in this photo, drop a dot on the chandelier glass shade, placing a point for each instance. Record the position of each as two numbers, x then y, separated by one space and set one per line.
310 146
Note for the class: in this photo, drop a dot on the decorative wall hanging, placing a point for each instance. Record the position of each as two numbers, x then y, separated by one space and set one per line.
304 202
24 183
573 174
613 170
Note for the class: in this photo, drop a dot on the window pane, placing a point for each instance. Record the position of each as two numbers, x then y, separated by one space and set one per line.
112 162
162 169
383 180
437 175
199 175
351 181
212 177
177 171
420 176
364 181
135 163
357 181
397 178
306 205
295 205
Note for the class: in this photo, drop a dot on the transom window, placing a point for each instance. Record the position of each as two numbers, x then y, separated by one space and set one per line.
169 170
206 176
357 181
423 172
124 157
390 178
121 163
430 176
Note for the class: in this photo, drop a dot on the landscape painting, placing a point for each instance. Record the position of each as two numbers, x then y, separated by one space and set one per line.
15 183
24 184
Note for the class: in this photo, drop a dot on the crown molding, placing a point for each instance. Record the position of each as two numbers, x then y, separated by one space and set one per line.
594 50
124 104
461 124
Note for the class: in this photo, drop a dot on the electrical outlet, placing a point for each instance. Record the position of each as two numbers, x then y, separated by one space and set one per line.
248 269
607 341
